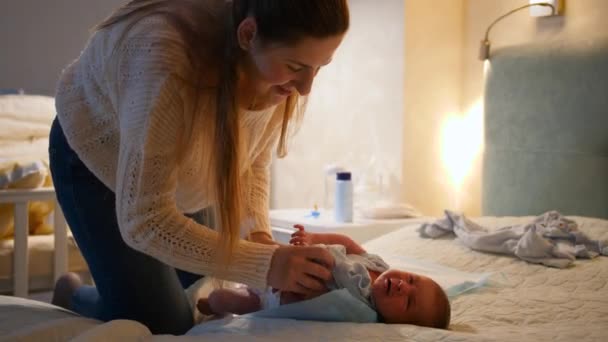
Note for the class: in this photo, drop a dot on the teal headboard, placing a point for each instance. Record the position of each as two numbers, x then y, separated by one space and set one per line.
546 130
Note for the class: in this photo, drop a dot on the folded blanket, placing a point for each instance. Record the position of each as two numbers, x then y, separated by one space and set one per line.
550 240
15 150
24 117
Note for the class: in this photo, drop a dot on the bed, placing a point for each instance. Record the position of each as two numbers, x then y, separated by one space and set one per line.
527 171
521 301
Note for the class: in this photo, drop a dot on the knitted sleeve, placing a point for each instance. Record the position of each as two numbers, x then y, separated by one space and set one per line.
150 112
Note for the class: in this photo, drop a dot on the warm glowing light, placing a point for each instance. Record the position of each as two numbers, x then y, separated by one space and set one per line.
462 142
486 68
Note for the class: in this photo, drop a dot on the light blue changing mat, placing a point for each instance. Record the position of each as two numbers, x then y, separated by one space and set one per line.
341 306
334 306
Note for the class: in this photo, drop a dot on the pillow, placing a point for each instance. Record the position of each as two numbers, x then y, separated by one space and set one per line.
24 117
25 174
21 149
389 211
22 173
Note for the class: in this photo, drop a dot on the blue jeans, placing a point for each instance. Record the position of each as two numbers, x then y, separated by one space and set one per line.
130 284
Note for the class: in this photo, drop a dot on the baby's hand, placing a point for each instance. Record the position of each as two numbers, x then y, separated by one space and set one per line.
301 237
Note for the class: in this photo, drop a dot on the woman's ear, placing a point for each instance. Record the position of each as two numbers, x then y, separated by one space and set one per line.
246 33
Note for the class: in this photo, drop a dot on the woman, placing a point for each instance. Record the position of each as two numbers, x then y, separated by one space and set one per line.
175 106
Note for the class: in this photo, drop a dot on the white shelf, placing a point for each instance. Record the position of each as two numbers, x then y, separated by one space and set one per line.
361 230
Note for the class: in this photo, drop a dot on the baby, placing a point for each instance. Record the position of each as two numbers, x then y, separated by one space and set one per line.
397 296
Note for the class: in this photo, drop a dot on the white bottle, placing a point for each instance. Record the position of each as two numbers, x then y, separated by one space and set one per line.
328 184
343 206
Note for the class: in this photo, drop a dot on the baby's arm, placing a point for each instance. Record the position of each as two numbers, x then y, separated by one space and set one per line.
302 237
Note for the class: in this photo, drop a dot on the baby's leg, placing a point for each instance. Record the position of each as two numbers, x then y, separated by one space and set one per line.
236 301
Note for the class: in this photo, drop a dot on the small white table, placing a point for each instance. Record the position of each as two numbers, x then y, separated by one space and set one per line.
360 230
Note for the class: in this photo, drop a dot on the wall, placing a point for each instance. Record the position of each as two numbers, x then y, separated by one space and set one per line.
355 113
43 37
433 82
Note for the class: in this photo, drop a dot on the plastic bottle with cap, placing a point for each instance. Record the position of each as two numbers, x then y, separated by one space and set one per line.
329 177
343 207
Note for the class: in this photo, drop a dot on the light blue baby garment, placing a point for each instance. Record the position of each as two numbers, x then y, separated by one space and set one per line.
351 272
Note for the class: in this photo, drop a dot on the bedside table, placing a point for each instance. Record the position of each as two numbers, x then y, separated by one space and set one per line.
360 230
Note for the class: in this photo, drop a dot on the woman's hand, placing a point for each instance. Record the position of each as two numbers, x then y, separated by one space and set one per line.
303 270
301 237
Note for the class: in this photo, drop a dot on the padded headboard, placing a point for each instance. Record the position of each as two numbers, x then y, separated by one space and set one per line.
546 130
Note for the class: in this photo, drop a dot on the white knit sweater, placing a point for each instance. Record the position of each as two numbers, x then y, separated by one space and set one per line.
126 132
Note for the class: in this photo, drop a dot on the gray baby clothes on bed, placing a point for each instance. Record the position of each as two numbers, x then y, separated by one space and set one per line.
551 239
351 272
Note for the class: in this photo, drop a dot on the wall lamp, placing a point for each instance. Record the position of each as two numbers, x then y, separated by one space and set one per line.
484 49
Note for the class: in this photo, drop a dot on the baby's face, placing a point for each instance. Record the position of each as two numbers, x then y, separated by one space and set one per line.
403 297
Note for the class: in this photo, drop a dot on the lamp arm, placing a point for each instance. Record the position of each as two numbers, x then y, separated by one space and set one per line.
515 10
484 48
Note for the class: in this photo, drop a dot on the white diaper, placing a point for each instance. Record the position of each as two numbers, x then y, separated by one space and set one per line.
268 298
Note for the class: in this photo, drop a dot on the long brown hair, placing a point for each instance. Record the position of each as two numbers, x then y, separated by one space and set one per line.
208 30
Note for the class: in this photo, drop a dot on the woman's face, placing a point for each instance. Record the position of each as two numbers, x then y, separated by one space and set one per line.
275 71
